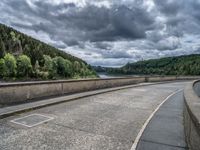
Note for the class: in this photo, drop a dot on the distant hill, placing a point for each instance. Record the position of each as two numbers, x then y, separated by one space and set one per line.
180 65
17 43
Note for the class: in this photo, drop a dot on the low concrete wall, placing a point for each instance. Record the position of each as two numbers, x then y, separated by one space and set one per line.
26 91
192 115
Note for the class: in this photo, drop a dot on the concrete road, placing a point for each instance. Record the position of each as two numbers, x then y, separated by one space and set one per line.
109 121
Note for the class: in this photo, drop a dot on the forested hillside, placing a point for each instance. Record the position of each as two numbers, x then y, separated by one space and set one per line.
22 56
181 65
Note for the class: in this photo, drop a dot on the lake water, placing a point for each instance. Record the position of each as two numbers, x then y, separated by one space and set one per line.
105 75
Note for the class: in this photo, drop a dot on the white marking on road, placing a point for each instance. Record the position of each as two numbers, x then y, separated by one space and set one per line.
35 124
137 139
140 90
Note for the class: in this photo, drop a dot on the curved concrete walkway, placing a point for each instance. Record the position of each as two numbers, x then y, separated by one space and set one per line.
165 131
109 121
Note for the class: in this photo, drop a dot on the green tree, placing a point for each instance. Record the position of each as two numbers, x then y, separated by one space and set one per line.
36 54
50 66
2 49
24 67
37 69
16 43
11 66
2 68
76 66
61 67
68 68
48 63
54 64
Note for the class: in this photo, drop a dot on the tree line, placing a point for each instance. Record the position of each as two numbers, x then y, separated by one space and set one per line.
20 67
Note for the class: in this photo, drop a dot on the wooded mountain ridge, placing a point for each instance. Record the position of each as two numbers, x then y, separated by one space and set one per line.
178 65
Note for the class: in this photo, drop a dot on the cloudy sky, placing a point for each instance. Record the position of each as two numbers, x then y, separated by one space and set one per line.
109 32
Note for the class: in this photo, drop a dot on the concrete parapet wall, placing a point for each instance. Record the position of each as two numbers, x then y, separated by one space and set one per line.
21 92
25 91
192 115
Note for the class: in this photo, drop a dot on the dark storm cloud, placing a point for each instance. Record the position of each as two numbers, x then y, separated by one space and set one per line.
183 15
169 7
103 46
109 31
71 24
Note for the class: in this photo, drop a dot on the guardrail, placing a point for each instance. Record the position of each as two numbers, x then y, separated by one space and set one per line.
192 114
11 93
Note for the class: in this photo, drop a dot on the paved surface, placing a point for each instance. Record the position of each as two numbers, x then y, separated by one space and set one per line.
108 121
166 130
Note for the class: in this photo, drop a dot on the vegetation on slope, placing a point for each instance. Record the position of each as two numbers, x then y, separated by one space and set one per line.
24 57
180 65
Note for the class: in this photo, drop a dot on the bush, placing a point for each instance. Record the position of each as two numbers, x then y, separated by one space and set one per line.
24 67
2 68
10 64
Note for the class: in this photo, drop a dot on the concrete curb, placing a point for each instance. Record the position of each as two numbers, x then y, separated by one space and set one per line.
11 110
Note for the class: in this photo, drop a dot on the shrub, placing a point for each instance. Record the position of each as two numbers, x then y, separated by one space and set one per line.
24 67
10 63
